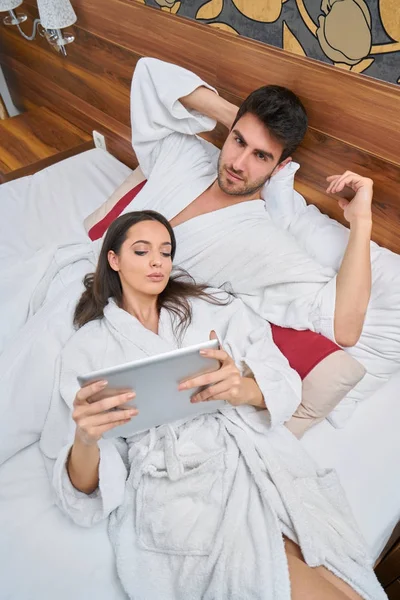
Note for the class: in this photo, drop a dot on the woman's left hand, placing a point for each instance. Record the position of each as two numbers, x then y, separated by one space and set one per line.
225 384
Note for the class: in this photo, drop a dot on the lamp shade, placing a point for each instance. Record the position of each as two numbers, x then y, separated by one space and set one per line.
9 4
56 14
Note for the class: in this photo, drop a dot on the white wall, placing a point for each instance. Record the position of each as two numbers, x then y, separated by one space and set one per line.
5 94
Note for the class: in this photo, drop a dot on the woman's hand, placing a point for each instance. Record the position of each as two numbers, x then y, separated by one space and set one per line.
225 384
93 418
359 208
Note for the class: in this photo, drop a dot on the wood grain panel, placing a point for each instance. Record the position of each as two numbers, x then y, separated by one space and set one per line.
140 28
389 569
33 140
384 232
390 545
393 591
320 156
39 91
350 107
37 134
45 162
106 96
346 106
92 54
354 120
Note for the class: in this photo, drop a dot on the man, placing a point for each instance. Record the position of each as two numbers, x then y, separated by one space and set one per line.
213 200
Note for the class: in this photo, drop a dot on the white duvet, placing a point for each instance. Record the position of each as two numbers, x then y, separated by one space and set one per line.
325 239
28 515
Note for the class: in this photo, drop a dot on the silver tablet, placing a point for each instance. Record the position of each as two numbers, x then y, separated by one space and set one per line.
155 381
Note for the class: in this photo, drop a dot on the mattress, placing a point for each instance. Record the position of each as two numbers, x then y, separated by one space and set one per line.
49 207
62 560
365 453
40 213
44 555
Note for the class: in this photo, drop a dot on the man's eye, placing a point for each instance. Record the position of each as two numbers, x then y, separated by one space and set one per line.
166 254
140 252
239 141
261 156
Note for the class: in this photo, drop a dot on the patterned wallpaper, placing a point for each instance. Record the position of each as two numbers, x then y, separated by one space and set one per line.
357 35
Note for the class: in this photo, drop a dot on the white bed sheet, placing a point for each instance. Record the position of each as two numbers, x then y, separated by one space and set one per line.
44 555
366 455
49 207
41 212
59 559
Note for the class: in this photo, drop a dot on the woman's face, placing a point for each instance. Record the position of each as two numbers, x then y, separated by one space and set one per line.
144 262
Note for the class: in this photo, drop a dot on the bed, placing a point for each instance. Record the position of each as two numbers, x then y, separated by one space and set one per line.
365 453
52 204
49 207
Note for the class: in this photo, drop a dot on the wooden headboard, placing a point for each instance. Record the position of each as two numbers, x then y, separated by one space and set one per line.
354 120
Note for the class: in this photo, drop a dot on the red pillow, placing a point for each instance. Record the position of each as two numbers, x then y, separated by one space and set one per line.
303 349
98 230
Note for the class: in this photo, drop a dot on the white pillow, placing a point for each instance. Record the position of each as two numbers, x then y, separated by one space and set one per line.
325 239
280 196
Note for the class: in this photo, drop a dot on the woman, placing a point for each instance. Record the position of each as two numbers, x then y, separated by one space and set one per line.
198 508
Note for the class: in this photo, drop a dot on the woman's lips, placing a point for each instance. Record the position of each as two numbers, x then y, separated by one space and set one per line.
156 276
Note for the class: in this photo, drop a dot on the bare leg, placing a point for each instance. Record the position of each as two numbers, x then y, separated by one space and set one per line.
310 583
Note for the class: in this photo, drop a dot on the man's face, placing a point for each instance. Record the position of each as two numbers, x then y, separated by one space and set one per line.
248 158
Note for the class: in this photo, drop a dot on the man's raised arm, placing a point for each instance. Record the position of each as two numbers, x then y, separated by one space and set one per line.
157 110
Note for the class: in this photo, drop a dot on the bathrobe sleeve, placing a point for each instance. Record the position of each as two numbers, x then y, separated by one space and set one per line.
156 111
248 339
305 297
82 354
88 509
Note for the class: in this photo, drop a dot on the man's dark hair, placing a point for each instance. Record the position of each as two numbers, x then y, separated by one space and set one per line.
282 113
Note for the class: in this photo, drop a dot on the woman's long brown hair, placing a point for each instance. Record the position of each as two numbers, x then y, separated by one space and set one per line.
105 283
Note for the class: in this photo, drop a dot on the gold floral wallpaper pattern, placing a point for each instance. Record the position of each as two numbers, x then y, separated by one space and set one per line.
357 35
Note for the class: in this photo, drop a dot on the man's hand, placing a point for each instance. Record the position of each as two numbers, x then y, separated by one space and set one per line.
359 208
224 384
353 283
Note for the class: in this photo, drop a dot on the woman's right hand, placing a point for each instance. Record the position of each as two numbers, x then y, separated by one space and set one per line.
94 418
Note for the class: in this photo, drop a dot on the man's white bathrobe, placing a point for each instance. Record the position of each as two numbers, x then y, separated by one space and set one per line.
197 508
239 244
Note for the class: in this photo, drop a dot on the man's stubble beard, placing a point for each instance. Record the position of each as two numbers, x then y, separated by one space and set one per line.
247 190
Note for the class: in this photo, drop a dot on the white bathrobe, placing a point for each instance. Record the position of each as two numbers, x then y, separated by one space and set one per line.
197 508
239 244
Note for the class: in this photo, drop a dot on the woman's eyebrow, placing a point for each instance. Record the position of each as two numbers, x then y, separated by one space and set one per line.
149 243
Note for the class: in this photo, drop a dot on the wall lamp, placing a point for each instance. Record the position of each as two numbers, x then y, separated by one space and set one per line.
54 15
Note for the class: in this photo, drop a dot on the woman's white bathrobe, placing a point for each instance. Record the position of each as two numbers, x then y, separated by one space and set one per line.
197 508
